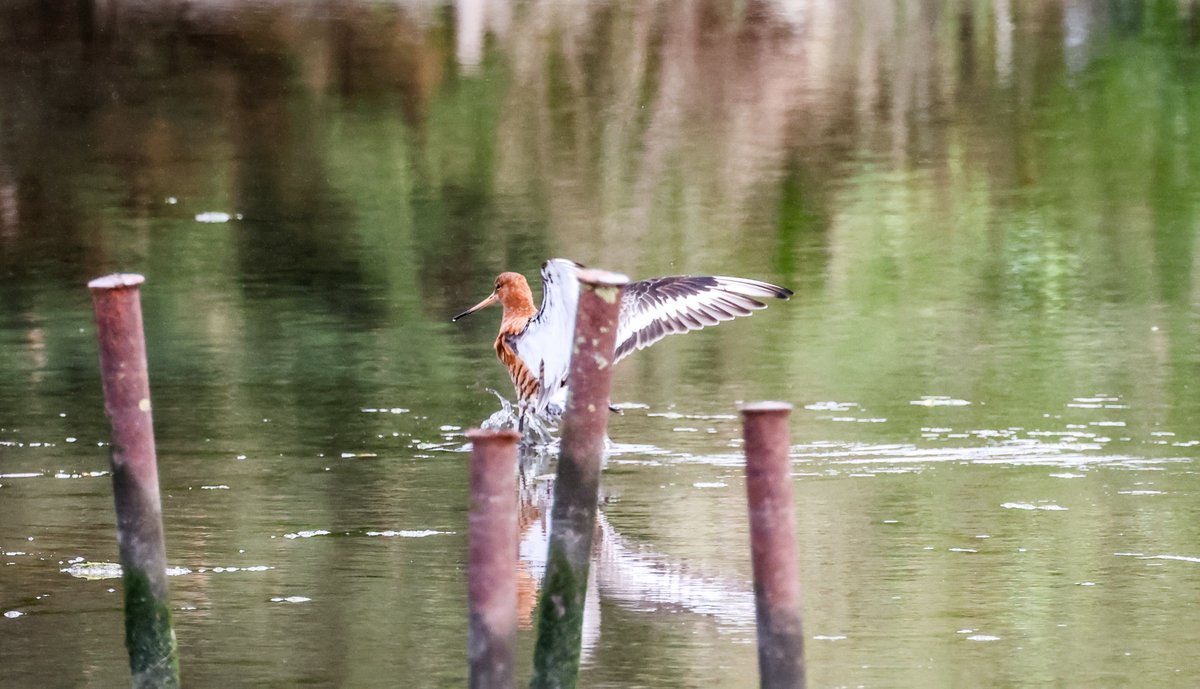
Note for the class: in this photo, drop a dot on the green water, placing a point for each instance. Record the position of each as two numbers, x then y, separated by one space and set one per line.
988 212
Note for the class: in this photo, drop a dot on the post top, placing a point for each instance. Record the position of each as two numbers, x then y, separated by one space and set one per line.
602 278
766 407
485 434
117 281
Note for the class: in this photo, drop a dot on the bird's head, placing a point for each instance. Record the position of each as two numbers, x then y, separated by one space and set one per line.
511 290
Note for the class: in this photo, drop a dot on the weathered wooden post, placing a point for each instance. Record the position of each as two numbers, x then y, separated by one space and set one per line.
492 561
153 656
773 545
577 483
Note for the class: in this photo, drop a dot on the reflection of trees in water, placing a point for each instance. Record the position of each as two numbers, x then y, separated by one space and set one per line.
697 107
868 135
613 112
716 90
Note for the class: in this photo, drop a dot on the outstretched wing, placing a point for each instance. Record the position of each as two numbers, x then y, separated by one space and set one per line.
545 343
652 309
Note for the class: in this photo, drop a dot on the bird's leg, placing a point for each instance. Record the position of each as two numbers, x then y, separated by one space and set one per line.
522 412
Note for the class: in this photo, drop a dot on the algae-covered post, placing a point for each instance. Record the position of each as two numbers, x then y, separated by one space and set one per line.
492 560
773 545
576 488
153 657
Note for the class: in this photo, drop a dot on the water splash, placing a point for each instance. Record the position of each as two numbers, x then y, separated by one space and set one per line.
539 430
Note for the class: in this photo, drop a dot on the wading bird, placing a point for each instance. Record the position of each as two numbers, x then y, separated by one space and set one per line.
535 344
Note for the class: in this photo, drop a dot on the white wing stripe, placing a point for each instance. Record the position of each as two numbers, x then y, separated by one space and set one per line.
650 310
653 309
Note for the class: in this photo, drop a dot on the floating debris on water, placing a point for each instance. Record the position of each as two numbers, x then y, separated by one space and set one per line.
1030 506
702 417
108 570
306 534
831 406
1142 556
81 474
855 419
404 533
291 599
228 570
939 401
213 217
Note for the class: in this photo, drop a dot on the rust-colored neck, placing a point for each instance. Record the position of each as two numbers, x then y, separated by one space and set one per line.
517 300
512 290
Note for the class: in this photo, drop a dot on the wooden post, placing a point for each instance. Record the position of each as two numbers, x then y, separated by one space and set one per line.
153 656
773 545
577 485
492 562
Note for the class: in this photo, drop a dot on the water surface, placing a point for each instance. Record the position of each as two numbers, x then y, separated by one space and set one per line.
988 212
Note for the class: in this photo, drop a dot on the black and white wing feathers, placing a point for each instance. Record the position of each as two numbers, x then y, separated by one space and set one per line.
652 309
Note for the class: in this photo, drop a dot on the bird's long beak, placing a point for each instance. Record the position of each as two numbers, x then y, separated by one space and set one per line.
491 299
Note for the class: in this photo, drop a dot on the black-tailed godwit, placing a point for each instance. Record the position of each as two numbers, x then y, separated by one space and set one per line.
535 344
